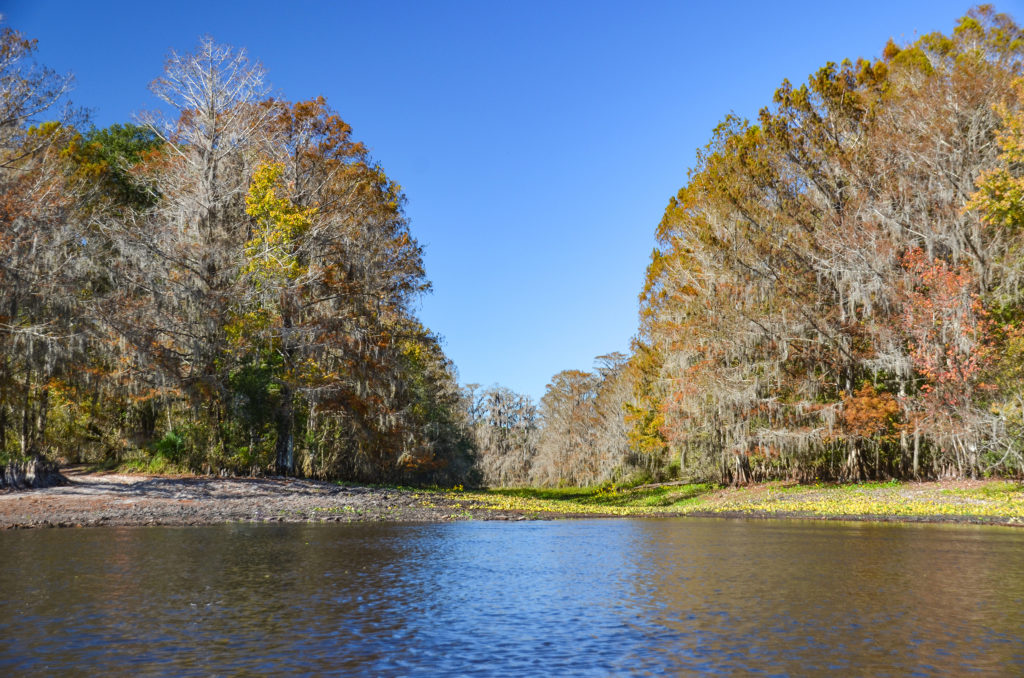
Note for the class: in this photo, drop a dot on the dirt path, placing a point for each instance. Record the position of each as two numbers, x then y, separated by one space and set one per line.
115 499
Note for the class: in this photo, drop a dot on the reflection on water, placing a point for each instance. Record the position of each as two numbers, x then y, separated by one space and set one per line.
578 597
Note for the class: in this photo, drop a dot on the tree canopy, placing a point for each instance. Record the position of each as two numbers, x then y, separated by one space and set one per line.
227 286
836 291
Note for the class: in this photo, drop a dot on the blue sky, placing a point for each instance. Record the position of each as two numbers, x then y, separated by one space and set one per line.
538 142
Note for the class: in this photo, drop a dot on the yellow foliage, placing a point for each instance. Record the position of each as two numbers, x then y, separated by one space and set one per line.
242 325
279 225
1000 195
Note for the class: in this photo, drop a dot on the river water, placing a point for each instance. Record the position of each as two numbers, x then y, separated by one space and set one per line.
590 597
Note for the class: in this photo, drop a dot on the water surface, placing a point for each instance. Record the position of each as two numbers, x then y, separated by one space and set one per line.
596 597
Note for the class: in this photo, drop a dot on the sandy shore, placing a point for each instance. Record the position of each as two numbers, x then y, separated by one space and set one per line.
116 499
95 499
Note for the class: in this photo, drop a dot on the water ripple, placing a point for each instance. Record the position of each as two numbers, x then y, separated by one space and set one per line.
586 598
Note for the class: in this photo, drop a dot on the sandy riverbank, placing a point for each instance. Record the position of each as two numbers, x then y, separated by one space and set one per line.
95 499
91 499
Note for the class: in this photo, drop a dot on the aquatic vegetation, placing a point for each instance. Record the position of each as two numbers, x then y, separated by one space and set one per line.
995 501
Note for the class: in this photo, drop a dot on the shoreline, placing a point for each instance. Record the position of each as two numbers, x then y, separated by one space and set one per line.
124 500
981 502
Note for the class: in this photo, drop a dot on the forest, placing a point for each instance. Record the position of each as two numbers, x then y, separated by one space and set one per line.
835 295
228 287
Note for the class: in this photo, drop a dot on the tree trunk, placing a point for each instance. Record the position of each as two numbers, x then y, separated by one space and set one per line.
917 452
3 423
25 410
854 466
42 409
742 475
285 463
904 450
33 473
4 399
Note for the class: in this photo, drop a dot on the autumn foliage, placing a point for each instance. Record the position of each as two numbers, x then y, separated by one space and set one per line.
224 287
836 291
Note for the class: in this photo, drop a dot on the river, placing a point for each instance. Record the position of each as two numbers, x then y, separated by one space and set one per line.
584 597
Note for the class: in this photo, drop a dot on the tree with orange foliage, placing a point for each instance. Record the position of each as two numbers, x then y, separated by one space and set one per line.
826 245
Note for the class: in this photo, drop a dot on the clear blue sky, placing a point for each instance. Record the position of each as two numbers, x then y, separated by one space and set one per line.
538 142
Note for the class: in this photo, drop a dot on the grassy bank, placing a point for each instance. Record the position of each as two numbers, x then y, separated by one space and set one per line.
996 501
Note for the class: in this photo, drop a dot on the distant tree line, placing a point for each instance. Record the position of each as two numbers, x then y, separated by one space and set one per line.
577 436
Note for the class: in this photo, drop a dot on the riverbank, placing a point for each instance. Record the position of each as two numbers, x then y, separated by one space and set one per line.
997 502
95 499
118 499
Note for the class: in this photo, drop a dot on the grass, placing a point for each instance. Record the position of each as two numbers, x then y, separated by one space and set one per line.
990 501
600 500
157 465
1006 490
605 496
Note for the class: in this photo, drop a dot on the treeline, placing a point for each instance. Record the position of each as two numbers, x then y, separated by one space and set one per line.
577 436
835 294
226 286
836 291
